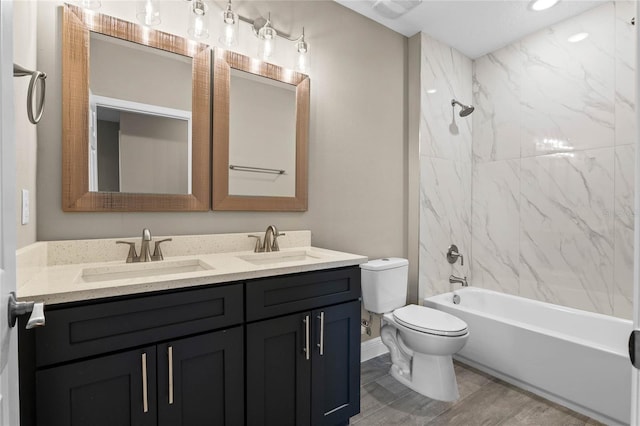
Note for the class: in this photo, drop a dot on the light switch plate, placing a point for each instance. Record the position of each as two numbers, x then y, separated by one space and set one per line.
25 206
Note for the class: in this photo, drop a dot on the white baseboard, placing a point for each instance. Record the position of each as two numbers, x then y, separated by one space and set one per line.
371 349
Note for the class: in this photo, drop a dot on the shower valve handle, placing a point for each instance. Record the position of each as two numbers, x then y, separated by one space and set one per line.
453 255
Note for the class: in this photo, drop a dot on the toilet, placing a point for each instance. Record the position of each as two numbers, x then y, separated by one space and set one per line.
421 340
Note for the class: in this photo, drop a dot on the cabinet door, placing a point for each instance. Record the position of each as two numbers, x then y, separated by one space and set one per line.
278 371
201 380
335 375
112 390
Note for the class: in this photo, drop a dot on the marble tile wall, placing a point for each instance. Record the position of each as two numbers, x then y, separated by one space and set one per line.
553 164
445 164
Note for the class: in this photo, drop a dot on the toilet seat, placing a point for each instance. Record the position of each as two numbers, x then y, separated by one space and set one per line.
431 321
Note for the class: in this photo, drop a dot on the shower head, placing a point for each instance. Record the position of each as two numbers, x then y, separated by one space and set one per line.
466 109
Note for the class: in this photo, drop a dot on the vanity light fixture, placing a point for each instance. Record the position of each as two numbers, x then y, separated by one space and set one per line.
578 37
198 19
264 30
148 12
539 5
229 36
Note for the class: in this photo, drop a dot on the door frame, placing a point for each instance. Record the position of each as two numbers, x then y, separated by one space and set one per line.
9 398
635 373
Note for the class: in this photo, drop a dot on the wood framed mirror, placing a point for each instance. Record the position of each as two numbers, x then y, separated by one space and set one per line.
124 153
260 139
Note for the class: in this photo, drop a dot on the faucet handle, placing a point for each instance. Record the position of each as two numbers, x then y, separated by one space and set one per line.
274 245
258 248
132 255
157 251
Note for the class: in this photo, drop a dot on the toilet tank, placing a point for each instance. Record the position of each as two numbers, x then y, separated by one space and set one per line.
384 284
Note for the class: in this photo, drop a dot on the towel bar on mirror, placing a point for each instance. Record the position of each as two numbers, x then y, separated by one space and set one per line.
36 76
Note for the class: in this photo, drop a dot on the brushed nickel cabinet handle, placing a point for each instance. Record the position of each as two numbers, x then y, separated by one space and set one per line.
306 337
170 350
145 396
321 344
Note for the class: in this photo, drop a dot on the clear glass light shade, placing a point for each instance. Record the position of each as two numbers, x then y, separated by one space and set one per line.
148 12
302 62
229 34
267 46
198 19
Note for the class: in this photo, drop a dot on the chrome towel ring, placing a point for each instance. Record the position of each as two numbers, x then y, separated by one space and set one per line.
36 76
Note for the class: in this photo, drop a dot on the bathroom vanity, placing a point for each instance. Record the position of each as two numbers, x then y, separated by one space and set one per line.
276 344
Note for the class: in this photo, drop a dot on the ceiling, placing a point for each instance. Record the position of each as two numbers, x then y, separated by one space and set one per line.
474 27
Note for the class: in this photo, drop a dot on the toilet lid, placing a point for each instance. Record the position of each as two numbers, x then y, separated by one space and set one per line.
428 320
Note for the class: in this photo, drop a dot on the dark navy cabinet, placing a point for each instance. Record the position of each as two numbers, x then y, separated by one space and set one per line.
274 351
303 368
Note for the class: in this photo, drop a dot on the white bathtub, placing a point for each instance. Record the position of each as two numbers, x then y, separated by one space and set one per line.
576 358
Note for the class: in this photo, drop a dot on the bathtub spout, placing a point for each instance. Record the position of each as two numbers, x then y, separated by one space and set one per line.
453 280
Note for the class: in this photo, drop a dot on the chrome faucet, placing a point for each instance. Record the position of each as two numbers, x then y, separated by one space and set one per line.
145 254
270 241
457 280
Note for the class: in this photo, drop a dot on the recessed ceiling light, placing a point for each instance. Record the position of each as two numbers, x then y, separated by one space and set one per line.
432 91
538 5
577 37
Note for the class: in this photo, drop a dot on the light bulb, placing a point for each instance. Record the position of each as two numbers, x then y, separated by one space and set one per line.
303 63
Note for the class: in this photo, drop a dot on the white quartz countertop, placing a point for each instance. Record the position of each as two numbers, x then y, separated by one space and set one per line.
62 283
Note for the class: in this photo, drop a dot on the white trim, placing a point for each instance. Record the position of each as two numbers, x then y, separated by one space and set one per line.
9 404
141 108
635 374
371 349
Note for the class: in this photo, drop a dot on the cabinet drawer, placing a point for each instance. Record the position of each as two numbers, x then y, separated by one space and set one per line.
283 295
99 328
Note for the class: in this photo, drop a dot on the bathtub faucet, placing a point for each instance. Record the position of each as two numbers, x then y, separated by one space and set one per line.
453 280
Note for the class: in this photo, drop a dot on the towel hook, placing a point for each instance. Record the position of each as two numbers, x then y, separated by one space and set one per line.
34 116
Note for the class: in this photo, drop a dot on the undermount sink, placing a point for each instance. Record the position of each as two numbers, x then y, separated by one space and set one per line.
145 269
275 257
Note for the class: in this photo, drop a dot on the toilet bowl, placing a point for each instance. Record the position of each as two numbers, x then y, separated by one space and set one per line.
421 340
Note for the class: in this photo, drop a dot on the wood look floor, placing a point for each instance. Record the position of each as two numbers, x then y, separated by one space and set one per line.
484 400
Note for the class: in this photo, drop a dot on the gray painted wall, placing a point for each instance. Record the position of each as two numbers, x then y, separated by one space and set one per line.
357 157
24 54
